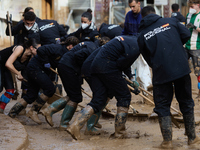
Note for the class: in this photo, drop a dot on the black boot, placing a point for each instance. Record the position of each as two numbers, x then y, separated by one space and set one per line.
190 129
166 130
17 108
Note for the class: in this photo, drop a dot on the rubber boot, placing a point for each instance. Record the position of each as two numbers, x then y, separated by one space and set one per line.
53 108
23 111
67 115
190 129
80 120
37 105
90 129
17 108
93 122
166 130
120 120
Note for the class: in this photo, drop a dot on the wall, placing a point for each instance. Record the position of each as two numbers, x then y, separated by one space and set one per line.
16 8
61 11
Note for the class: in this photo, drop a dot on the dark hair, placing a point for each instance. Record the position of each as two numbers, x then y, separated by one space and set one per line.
31 42
130 1
87 14
71 40
121 25
103 40
190 2
30 16
175 7
147 10
89 10
27 9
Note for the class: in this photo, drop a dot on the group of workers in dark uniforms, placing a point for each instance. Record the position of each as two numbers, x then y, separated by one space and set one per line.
101 58
68 57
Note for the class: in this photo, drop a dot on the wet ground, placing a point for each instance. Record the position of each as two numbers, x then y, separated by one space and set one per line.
143 133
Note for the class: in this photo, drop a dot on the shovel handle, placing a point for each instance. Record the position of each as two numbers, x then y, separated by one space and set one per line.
130 87
86 93
25 80
140 88
54 71
9 28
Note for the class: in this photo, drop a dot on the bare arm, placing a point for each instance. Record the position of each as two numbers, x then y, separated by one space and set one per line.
9 63
198 29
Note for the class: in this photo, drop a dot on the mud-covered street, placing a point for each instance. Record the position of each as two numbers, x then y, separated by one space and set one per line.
143 133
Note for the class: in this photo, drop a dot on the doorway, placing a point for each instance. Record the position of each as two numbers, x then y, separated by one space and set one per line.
47 9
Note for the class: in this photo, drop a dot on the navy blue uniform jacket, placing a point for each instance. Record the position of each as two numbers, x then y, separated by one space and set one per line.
88 34
86 67
178 16
51 53
161 44
21 34
117 54
76 56
49 30
110 30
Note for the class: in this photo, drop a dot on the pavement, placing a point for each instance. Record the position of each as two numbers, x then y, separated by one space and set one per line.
13 135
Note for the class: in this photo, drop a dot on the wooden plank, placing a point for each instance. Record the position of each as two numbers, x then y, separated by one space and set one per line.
43 9
52 9
108 114
142 115
48 8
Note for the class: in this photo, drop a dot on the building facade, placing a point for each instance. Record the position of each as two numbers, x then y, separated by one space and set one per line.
68 12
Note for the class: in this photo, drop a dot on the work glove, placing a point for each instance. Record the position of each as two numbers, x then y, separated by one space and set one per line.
190 25
135 84
9 22
57 40
47 65
135 91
